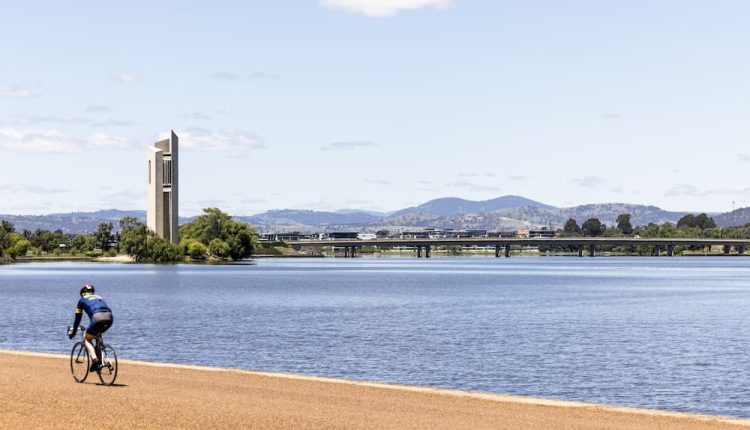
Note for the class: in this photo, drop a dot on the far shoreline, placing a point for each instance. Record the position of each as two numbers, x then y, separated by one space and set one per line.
126 259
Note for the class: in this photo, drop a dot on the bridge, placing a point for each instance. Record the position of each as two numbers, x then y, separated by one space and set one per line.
503 245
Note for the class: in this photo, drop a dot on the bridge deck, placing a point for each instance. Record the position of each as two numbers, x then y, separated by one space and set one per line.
557 241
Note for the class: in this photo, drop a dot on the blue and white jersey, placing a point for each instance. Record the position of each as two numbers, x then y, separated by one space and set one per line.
92 304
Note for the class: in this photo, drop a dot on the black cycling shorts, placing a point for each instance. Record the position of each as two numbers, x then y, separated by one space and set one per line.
100 322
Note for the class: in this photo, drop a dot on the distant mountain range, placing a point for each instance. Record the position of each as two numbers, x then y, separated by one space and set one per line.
503 213
74 222
452 206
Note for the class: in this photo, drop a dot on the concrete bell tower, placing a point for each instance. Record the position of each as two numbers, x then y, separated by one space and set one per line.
161 191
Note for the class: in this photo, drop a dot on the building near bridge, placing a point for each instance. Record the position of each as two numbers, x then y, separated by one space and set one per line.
502 233
342 235
544 232
162 188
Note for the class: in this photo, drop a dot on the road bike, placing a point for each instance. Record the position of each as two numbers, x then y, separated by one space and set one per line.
80 362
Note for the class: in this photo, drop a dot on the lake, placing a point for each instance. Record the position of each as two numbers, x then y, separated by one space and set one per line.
665 333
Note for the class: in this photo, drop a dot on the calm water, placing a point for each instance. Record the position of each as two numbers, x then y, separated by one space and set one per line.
667 333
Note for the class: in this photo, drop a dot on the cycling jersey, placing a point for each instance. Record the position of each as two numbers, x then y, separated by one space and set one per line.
92 304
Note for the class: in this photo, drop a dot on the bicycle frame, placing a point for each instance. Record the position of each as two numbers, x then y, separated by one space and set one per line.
105 355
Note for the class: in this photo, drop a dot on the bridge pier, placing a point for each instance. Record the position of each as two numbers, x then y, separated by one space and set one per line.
727 248
497 251
507 251
419 252
354 251
346 252
670 250
657 250
592 250
740 249
428 251
580 250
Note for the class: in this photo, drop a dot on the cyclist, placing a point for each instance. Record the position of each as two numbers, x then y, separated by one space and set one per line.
100 319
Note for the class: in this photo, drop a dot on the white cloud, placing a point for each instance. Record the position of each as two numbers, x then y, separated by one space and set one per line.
384 8
33 120
349 145
195 116
52 141
42 119
251 201
476 175
211 203
106 141
14 140
98 109
682 190
125 77
474 187
113 123
358 202
16 92
589 181
377 181
199 139
121 199
689 190
23 189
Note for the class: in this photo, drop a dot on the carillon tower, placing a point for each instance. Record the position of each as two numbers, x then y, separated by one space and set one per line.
161 192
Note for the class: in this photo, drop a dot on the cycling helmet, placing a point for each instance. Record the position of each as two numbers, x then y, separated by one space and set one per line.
87 289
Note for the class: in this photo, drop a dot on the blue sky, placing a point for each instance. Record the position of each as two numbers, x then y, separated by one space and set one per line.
375 104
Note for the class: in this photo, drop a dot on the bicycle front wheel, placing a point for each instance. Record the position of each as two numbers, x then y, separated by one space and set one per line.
108 370
79 362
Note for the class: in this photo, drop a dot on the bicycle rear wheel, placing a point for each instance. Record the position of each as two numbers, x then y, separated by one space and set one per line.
108 370
79 362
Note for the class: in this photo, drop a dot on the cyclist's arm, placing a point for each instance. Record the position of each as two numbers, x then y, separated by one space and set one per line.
79 315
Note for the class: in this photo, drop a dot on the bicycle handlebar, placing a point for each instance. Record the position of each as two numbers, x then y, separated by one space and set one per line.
70 329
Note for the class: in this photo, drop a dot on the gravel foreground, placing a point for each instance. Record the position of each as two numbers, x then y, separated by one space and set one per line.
37 391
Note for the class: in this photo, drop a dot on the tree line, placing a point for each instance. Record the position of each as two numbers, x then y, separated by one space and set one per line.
213 236
688 226
20 243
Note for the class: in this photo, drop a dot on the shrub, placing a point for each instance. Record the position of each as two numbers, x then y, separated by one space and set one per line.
196 250
218 249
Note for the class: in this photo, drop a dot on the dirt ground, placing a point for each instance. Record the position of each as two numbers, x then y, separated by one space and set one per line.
37 391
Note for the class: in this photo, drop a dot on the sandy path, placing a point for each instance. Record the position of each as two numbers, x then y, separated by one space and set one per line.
37 391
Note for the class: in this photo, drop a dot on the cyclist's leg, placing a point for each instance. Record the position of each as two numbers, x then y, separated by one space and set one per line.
87 338
99 323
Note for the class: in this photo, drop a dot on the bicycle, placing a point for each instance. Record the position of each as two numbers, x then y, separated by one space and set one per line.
80 362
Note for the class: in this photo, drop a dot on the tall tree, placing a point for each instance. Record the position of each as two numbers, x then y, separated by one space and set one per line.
703 221
129 222
593 227
571 227
7 226
623 224
215 224
134 241
103 236
687 221
4 238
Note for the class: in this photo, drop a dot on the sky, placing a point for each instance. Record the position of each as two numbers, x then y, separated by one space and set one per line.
375 104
